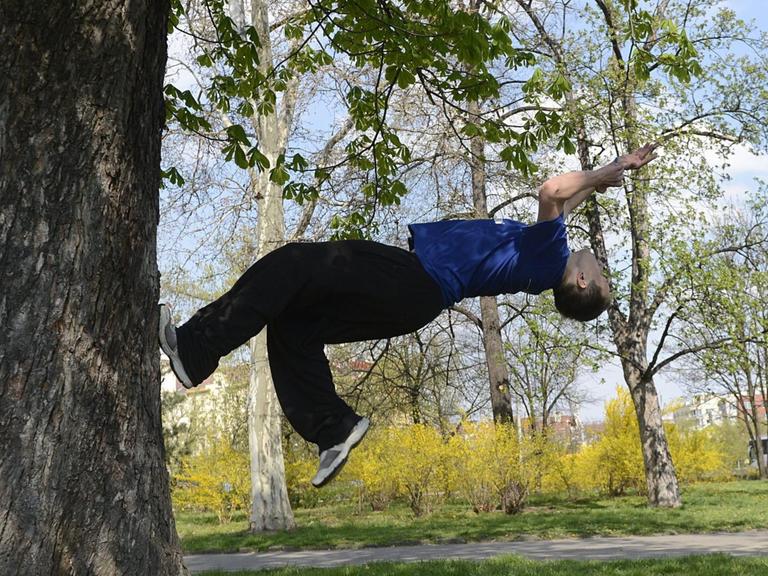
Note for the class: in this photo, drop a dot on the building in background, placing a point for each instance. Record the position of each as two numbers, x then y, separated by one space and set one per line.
702 410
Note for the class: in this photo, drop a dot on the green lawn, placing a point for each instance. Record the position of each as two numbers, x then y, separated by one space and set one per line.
733 506
713 565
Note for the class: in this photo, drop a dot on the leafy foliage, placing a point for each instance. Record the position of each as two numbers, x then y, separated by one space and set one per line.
498 468
216 480
451 54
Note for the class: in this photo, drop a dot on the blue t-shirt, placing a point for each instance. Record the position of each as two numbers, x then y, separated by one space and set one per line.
470 258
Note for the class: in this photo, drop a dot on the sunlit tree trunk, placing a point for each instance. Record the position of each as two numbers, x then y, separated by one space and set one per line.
270 507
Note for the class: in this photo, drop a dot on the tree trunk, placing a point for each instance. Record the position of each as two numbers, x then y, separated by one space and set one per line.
83 485
660 477
754 417
270 507
498 377
630 335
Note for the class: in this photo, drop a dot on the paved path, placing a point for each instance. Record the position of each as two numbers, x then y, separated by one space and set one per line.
753 543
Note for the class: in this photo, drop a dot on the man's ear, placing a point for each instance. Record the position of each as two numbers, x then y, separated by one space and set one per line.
581 280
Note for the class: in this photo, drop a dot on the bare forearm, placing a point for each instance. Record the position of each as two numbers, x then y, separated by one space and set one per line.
574 185
563 193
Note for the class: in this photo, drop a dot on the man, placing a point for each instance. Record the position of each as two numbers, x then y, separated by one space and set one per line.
315 294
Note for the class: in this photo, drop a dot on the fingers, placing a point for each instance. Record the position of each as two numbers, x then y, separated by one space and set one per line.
644 155
647 159
649 148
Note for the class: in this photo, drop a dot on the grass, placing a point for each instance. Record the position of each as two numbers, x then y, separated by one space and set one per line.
711 565
731 507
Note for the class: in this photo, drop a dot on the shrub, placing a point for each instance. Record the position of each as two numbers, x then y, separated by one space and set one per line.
217 480
415 461
563 475
367 467
697 454
299 470
408 462
614 463
496 468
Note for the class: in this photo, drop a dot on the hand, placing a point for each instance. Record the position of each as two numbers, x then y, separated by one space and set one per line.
610 176
638 158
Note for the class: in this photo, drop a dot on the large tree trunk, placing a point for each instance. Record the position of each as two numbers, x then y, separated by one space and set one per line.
498 377
660 477
83 486
270 508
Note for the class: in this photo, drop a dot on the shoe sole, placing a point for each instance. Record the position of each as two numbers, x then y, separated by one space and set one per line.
176 366
355 437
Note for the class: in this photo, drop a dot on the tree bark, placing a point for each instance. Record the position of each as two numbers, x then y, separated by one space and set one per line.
660 477
270 507
754 417
501 403
83 485
498 377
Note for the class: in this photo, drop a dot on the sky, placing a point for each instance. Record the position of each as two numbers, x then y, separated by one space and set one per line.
744 169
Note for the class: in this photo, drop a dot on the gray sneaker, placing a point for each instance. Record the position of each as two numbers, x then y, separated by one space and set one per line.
333 459
170 346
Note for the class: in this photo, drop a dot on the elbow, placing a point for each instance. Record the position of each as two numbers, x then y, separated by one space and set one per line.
549 191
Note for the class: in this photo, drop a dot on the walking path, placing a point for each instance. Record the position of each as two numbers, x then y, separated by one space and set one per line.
754 543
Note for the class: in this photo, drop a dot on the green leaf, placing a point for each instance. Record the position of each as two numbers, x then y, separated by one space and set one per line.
279 175
173 176
405 79
205 60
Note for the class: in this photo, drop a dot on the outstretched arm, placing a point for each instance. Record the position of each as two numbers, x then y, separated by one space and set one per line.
563 193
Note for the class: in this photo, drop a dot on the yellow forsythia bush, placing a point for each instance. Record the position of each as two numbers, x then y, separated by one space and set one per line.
299 470
415 461
367 469
498 468
697 455
410 462
614 463
563 475
217 480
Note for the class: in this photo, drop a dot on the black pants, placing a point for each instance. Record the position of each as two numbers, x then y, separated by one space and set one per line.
310 295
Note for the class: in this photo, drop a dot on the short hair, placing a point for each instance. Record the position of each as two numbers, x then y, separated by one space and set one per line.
582 304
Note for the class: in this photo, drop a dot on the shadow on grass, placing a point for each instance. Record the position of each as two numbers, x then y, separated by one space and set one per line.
708 508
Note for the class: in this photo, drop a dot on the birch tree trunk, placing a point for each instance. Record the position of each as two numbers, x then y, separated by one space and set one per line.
498 377
83 485
270 508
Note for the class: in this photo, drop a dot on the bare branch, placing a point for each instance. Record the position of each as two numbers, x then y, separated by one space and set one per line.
468 314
